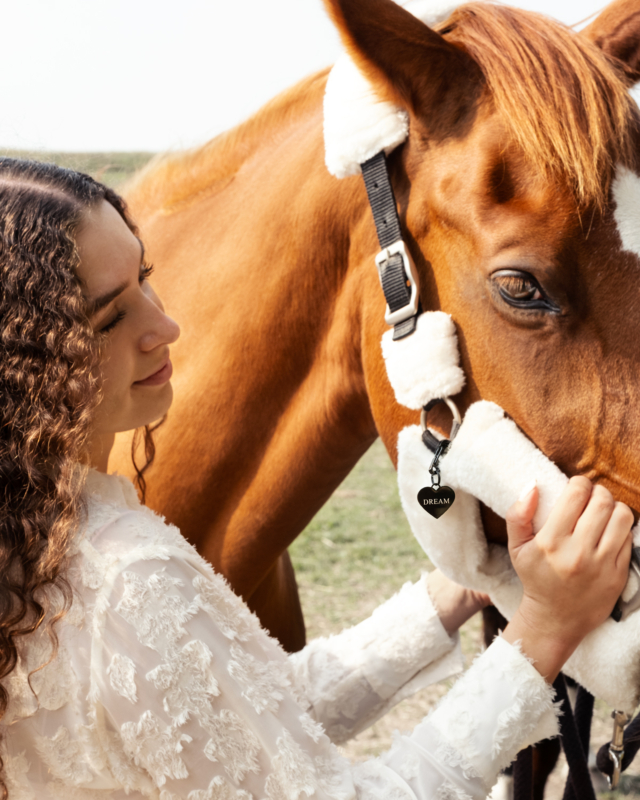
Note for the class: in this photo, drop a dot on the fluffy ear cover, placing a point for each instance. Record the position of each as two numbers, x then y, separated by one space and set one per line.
491 459
357 124
424 366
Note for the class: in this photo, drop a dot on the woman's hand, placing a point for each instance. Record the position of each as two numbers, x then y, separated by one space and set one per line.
572 571
454 604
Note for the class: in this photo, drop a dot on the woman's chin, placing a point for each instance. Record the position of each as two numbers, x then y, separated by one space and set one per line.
157 401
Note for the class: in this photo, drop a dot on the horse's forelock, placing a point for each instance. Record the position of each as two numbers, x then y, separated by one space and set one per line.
564 102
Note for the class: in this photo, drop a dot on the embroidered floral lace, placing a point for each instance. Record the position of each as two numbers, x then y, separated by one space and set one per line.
165 686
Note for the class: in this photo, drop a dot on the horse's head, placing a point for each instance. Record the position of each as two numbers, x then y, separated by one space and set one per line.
520 199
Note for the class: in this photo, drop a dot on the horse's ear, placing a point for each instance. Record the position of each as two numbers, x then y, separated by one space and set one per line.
407 62
616 31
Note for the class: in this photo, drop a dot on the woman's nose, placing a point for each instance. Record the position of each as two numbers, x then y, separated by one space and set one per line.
162 330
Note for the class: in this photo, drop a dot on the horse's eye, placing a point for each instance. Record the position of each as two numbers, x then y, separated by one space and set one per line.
522 290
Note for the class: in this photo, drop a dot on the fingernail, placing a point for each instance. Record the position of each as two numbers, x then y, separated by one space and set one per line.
527 489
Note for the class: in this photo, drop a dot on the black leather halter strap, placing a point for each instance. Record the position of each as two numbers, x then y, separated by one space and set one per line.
395 268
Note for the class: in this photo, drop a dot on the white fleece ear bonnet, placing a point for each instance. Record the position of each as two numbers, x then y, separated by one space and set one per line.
490 459
357 124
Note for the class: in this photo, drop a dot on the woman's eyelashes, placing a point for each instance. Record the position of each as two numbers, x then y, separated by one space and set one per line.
145 271
111 325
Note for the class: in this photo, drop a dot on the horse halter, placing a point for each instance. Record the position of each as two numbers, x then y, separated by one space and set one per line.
421 357
399 281
396 270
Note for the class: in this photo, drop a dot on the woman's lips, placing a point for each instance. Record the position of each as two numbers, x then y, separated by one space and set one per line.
161 376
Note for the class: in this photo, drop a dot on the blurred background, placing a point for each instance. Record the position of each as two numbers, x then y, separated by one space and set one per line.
149 75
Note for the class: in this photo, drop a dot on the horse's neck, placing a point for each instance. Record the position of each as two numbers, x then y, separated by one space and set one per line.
271 396
177 179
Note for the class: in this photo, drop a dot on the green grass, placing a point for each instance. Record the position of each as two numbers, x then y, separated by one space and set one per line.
358 549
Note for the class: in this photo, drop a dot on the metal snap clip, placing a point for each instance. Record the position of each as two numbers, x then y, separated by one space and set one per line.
428 437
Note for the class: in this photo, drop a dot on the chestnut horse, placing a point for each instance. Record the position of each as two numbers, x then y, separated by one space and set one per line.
521 133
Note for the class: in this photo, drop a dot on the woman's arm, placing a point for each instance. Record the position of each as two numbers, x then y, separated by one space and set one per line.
194 700
409 642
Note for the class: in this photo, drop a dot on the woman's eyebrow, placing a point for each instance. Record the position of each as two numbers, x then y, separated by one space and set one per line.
93 306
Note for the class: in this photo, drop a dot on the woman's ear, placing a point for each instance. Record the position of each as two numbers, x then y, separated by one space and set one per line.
616 31
408 63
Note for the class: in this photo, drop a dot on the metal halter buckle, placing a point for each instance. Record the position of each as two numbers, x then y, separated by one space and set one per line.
411 309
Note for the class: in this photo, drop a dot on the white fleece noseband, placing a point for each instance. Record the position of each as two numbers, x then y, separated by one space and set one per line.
491 460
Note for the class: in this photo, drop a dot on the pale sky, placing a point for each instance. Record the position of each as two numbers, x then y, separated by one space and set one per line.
90 75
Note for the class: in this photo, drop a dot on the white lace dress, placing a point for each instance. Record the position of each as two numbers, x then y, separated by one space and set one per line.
165 686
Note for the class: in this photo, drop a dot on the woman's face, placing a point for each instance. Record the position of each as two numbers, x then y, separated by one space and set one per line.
129 319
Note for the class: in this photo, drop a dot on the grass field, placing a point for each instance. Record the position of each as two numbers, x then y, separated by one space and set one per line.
358 550
110 168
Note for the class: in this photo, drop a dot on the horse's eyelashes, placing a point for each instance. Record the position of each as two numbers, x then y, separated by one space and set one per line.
521 290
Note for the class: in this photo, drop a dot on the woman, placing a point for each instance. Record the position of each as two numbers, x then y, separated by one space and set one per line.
127 664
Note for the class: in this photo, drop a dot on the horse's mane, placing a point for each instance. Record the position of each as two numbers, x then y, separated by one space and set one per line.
171 180
566 103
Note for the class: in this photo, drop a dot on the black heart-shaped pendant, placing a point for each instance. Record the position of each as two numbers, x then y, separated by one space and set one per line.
436 501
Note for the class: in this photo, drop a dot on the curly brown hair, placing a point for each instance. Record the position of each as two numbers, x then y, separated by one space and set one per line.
48 392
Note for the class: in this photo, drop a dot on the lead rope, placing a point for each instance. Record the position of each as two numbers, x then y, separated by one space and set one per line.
523 775
575 742
582 726
575 732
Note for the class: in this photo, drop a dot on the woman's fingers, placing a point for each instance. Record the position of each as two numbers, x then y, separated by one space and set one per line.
572 572
616 540
520 517
595 518
566 512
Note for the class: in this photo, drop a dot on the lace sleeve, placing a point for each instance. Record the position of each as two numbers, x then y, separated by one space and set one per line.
352 679
191 699
498 707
